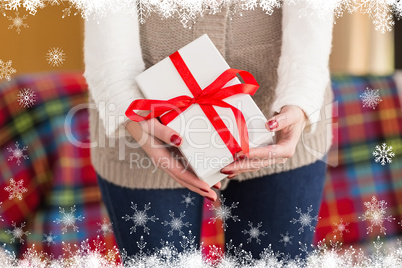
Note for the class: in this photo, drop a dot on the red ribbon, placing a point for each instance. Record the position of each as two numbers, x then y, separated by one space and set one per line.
213 94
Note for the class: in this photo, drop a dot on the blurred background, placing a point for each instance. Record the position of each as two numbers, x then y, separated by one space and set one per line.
59 175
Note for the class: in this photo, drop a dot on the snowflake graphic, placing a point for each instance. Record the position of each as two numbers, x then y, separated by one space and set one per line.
32 6
254 232
383 154
188 200
341 227
6 70
49 239
55 56
3 8
188 242
305 219
375 214
371 98
223 212
286 239
105 227
176 224
17 22
144 10
16 189
168 251
17 153
68 219
140 218
13 4
26 97
17 233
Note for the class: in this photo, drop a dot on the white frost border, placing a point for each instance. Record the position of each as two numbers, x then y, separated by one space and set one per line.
380 11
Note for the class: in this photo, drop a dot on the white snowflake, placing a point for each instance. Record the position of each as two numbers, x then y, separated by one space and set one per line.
32 5
144 10
68 219
55 56
26 97
13 4
16 189
105 227
286 239
6 70
17 233
17 22
49 239
188 200
375 214
140 218
188 242
305 219
168 251
254 232
341 227
55 2
3 8
223 212
176 224
17 153
371 98
378 10
383 154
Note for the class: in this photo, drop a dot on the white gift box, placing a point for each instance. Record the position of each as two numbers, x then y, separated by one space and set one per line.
202 146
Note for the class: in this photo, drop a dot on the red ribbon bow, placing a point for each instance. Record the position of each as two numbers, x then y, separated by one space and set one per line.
213 94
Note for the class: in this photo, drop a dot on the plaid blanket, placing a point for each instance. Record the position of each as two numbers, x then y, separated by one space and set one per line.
57 174
358 177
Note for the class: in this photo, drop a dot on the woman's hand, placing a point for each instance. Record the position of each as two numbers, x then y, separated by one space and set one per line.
288 127
153 137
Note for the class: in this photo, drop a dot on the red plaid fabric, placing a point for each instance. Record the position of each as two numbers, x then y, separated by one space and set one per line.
358 177
57 173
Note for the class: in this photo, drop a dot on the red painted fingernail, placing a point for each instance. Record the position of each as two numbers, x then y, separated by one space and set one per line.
272 124
227 172
175 139
239 157
207 191
243 156
210 198
216 187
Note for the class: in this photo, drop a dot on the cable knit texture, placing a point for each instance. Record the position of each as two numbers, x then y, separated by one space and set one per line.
250 42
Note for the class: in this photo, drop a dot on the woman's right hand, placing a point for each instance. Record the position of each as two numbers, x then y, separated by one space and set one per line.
153 137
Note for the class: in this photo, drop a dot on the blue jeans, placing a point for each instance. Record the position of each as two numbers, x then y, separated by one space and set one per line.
271 200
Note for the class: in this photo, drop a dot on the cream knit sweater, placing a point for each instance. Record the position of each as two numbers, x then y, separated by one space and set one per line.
114 55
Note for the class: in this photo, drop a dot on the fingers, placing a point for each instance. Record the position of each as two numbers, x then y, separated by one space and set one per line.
217 186
211 195
162 158
162 132
289 115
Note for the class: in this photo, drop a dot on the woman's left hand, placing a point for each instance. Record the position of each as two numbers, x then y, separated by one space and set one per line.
288 126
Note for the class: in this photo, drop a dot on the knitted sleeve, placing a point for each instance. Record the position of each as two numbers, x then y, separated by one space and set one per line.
113 58
303 71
